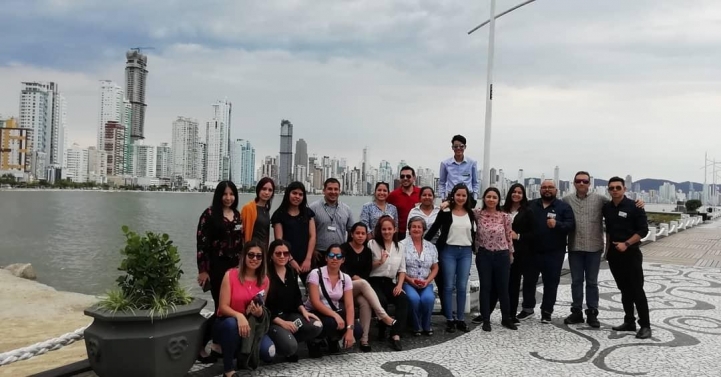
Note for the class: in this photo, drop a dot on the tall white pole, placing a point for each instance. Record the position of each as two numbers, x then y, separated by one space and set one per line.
705 179
489 101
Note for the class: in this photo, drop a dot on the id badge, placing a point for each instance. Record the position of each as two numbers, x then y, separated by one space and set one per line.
622 214
331 228
551 215
238 227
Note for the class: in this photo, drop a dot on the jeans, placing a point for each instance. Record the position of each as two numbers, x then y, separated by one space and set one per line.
549 264
627 270
456 262
226 333
286 343
421 301
494 270
584 266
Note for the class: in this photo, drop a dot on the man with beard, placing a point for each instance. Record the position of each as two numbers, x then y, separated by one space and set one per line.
626 225
405 198
554 220
333 219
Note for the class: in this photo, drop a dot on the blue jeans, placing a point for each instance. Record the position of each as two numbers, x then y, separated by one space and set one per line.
494 268
421 301
549 264
226 333
456 262
584 266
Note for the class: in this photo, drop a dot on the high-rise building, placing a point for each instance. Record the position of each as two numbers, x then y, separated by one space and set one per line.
126 122
242 162
145 160
301 153
215 132
629 182
114 147
77 168
556 175
201 157
136 73
285 171
112 107
16 147
163 161
222 111
520 176
269 168
43 110
493 178
185 148
97 166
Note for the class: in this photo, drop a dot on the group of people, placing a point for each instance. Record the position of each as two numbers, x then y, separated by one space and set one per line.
401 246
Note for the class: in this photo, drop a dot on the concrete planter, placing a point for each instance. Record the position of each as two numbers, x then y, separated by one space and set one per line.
138 344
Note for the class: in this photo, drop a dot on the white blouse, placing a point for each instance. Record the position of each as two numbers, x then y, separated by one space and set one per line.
395 264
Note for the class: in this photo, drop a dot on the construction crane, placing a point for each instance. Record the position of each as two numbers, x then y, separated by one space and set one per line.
140 49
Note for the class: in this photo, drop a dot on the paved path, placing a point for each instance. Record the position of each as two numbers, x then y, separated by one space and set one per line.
698 246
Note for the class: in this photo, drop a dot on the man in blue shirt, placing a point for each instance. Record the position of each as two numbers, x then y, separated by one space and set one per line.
458 169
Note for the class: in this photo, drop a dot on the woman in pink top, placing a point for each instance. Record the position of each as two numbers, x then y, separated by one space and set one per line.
494 258
241 296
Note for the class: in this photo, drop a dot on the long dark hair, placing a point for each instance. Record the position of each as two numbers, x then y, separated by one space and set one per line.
260 185
271 249
467 205
260 272
217 226
509 202
285 204
378 236
498 194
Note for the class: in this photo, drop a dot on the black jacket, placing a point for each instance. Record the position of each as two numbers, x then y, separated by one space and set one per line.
552 239
524 224
443 222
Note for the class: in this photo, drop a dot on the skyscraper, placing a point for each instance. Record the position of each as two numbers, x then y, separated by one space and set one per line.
242 162
15 146
136 73
285 171
301 153
111 108
492 177
114 147
520 177
185 148
556 174
77 160
216 155
629 182
43 110
163 161
222 111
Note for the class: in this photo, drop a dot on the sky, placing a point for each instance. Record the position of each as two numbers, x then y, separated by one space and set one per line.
614 87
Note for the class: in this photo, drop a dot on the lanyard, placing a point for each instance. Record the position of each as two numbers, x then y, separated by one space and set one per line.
332 217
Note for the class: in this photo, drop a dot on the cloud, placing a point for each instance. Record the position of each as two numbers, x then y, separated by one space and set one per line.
611 87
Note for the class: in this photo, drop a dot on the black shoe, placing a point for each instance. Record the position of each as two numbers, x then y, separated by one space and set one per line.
486 326
509 324
524 315
333 347
462 325
477 320
291 359
396 344
545 317
592 318
314 351
574 318
210 359
643 333
625 327
428 333
515 320
365 347
382 334
450 327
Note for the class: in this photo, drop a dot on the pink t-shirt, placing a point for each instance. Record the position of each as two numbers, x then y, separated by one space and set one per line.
335 292
242 293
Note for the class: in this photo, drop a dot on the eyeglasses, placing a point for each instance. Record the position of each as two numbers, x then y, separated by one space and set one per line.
338 256
615 188
406 176
459 146
256 256
584 181
283 254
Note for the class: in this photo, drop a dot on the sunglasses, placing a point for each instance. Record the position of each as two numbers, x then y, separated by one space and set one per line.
283 254
256 256
338 256
406 176
584 181
462 146
615 188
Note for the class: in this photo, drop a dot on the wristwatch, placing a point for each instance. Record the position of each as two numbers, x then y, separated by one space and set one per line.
627 244
350 327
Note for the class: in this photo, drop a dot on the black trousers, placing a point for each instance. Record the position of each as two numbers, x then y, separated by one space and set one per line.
218 267
384 289
627 270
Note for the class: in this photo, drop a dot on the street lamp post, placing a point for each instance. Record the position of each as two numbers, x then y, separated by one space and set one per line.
486 178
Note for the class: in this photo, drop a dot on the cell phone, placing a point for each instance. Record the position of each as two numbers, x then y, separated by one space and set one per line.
298 323
418 281
258 299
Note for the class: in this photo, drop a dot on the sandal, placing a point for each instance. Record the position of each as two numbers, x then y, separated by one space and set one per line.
417 333
428 333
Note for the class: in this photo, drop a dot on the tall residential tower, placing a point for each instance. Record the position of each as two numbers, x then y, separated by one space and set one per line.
285 171
136 73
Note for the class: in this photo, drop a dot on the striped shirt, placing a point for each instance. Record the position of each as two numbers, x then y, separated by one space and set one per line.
588 234
332 223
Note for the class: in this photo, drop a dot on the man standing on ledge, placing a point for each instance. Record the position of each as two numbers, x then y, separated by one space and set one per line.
458 169
405 198
626 225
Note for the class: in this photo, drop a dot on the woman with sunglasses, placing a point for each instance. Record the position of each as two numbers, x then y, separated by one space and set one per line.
256 213
330 297
293 221
358 264
421 268
374 210
388 274
495 254
457 225
241 296
219 244
291 321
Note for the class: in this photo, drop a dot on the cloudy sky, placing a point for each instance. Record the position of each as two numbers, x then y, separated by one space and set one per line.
615 87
